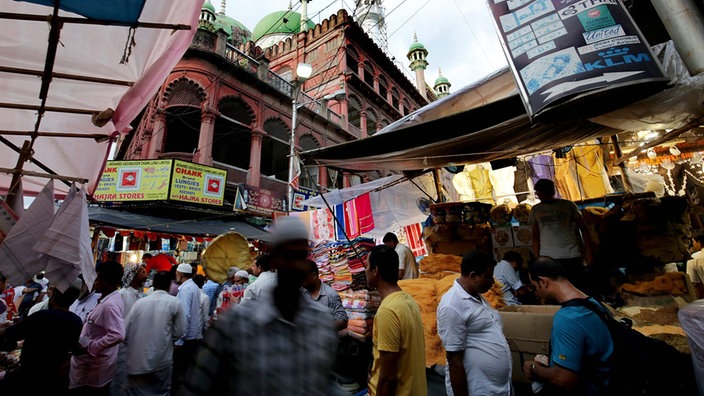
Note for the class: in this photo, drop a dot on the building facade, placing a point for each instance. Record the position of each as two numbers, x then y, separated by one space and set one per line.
228 102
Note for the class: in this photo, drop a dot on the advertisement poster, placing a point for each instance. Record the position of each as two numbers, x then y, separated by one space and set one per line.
134 181
560 48
299 195
197 183
258 200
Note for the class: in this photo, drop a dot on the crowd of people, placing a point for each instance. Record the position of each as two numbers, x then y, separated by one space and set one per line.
277 334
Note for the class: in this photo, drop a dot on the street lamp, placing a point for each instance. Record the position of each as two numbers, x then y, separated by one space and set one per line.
303 72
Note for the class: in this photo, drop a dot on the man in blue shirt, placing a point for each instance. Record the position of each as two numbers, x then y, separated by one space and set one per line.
580 342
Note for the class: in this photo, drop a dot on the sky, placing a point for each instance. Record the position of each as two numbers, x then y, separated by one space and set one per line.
458 34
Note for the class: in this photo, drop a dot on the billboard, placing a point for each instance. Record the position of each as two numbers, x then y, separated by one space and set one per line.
558 49
197 183
258 200
124 181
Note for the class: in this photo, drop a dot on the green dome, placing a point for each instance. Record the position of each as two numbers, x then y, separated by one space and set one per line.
416 46
231 26
274 23
208 6
441 80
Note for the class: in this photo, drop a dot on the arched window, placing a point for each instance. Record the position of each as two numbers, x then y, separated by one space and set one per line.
371 122
232 139
354 113
352 60
368 73
184 99
395 99
383 87
275 149
309 173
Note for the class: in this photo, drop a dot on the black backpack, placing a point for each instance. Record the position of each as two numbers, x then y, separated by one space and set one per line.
642 365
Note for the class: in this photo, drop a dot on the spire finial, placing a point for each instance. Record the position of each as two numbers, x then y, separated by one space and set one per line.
290 5
439 72
223 5
415 37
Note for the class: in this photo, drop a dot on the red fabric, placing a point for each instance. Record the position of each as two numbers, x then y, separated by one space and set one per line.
414 237
364 212
351 219
161 262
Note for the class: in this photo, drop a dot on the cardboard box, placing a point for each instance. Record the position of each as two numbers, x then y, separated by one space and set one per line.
523 236
527 329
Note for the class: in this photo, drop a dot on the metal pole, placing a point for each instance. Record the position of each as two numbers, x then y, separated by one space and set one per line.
292 150
624 169
685 25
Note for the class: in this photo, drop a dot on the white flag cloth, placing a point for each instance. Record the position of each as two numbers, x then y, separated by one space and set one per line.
62 273
18 261
68 238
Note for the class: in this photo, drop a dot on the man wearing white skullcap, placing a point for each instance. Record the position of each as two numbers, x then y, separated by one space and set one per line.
281 343
189 294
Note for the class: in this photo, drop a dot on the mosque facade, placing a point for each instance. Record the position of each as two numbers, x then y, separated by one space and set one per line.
228 102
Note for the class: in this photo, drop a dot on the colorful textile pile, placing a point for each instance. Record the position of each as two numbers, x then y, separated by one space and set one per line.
361 306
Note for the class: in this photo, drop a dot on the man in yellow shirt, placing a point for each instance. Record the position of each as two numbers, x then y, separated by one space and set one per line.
399 345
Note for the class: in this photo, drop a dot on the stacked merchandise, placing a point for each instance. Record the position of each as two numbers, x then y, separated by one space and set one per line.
337 255
361 306
322 259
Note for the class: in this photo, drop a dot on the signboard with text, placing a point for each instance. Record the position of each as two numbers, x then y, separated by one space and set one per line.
558 49
124 181
258 200
197 183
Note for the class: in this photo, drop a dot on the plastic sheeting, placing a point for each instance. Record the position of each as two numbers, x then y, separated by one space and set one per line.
85 50
692 320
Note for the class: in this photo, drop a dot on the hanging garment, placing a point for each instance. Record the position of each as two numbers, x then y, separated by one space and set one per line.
543 167
502 181
351 219
340 222
590 169
520 180
364 213
414 238
566 178
463 185
481 184
322 225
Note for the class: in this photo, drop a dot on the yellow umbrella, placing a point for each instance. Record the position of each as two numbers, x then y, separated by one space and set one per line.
227 250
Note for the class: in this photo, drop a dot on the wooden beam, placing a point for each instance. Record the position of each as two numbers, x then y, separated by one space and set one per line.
96 136
44 175
20 106
86 21
65 76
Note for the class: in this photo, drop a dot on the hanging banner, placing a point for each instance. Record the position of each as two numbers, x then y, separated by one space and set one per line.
258 200
197 183
134 181
558 49
300 194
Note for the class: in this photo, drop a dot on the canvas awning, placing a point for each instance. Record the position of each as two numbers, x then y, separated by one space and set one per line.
194 227
102 56
487 121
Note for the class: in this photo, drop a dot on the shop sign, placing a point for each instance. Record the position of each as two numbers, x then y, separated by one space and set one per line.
301 194
197 183
258 200
124 181
560 48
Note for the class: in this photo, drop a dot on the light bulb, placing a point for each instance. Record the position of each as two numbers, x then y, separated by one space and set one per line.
675 151
696 158
651 154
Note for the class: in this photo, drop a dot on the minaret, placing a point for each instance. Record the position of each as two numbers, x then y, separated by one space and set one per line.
223 7
370 16
304 15
442 85
417 54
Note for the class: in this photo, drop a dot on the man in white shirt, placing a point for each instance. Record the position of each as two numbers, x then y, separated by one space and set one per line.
189 295
265 283
407 266
478 356
695 266
85 303
152 326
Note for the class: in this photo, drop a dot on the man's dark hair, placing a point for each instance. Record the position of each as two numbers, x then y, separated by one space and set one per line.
390 237
476 262
162 280
147 255
313 266
110 271
699 238
2 277
547 267
264 262
514 256
199 280
546 186
65 299
386 260
40 276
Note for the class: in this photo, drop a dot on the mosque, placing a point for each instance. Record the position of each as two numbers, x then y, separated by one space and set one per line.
228 102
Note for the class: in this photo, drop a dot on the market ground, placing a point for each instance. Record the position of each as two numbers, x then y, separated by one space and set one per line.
436 385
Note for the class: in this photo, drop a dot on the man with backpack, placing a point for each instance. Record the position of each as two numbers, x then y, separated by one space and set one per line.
580 342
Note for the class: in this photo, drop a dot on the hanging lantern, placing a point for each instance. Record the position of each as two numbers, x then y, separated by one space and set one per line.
675 151
651 154
696 158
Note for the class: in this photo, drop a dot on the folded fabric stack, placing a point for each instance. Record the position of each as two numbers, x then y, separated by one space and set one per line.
360 328
320 255
359 281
